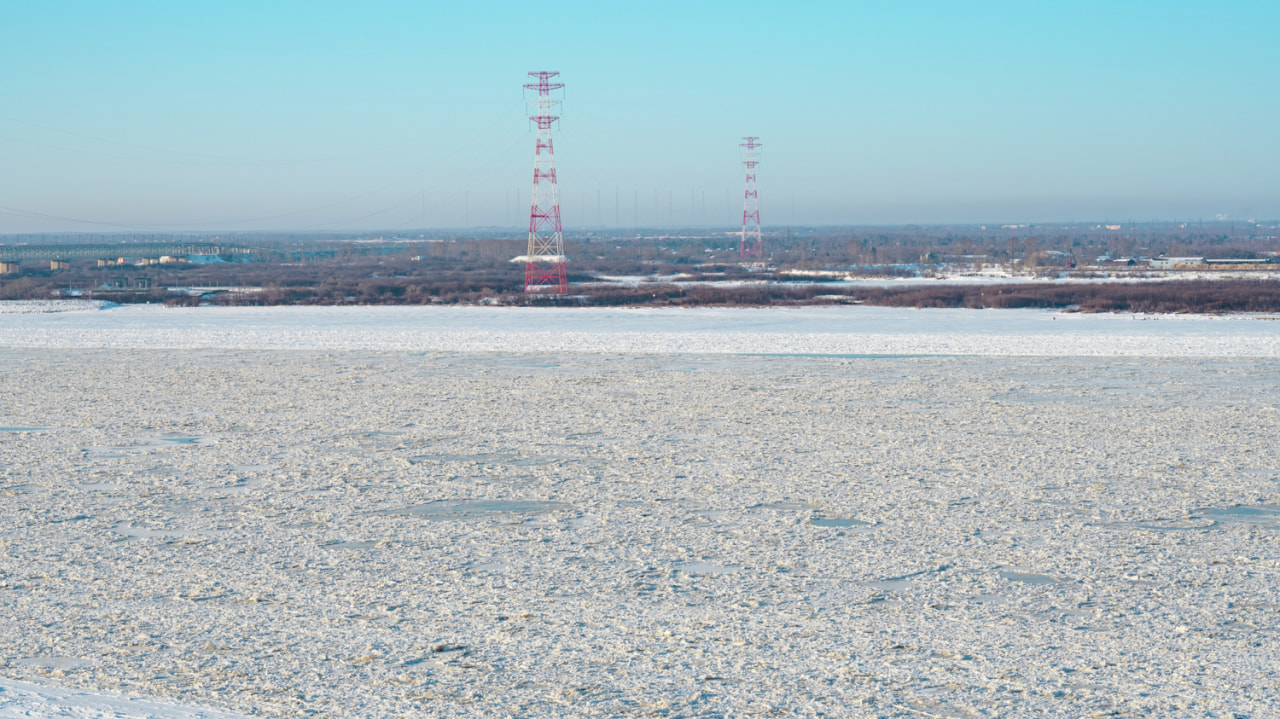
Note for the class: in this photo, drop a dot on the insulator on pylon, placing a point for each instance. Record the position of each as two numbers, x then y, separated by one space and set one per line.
752 243
544 262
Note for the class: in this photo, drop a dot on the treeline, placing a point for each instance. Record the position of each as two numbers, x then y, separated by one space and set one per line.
662 271
506 287
1198 296
843 249
1207 296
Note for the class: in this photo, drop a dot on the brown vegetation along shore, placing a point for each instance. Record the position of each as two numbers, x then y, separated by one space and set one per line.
1200 296
1196 296
699 270
258 284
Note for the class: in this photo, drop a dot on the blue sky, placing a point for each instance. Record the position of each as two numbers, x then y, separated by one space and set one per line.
158 116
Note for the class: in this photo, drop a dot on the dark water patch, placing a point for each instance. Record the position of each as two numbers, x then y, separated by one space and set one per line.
1027 577
892 585
704 568
472 508
131 532
1028 398
463 458
184 440
783 506
907 581
509 459
1165 525
837 522
374 438
1236 627
240 486
816 355
349 544
53 663
530 461
503 479
1129 390
1251 514
74 518
147 444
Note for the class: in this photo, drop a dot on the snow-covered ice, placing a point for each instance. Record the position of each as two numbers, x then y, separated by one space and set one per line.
276 512
47 306
24 700
813 330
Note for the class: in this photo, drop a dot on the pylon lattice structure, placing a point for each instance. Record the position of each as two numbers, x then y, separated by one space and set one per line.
544 261
751 244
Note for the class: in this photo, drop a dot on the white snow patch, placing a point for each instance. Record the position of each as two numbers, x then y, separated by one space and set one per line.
28 307
36 701
539 258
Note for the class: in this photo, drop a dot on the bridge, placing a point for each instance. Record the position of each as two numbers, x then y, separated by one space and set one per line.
19 253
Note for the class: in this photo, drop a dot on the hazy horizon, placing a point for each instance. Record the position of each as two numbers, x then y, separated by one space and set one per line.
1119 227
397 117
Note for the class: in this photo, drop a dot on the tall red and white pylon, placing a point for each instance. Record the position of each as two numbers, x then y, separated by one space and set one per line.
544 261
751 244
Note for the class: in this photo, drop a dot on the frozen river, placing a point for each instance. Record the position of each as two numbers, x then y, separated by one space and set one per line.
490 512
833 330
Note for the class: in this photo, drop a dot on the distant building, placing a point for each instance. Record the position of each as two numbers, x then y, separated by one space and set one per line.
1226 263
125 283
1238 264
1175 263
